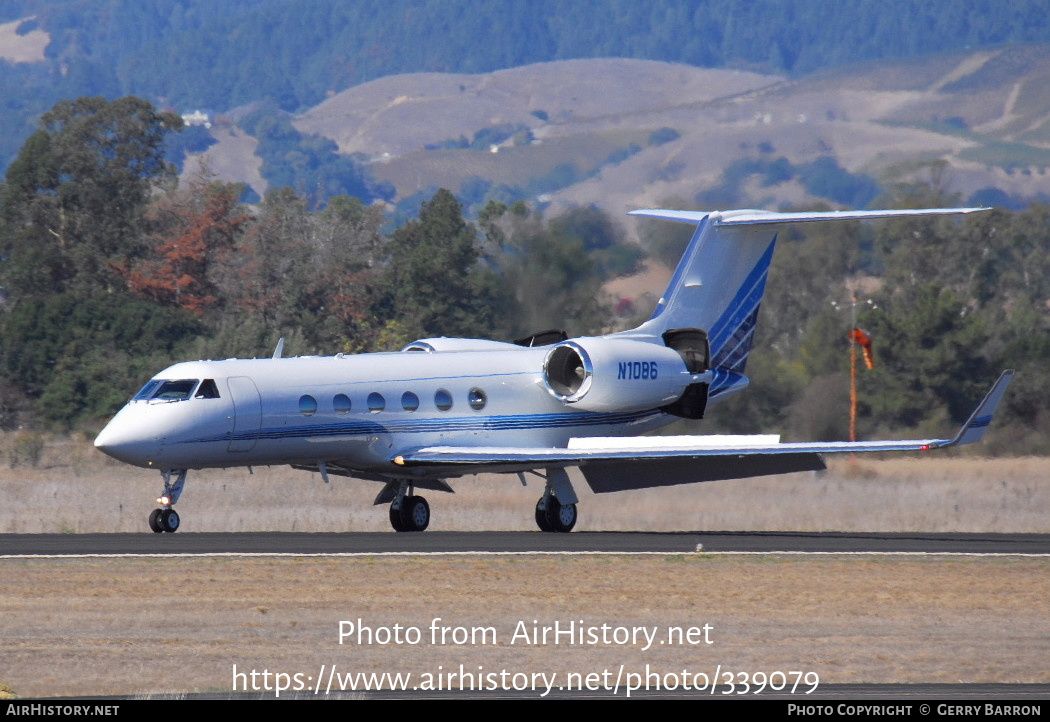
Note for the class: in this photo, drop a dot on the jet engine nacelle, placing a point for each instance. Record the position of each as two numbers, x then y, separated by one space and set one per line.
614 374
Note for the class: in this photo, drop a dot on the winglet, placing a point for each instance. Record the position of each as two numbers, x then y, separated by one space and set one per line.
280 349
973 430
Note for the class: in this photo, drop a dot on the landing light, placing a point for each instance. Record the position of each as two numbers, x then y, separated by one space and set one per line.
164 500
399 460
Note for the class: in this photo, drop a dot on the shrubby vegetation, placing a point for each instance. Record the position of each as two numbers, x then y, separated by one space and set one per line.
308 163
823 178
109 271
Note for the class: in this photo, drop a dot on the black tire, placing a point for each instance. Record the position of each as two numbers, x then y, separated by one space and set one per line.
395 518
560 517
154 521
169 520
541 517
415 513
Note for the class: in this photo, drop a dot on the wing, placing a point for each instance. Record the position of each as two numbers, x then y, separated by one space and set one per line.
614 464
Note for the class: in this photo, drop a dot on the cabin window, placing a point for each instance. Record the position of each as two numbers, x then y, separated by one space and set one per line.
409 401
307 405
476 398
207 390
341 404
376 402
443 399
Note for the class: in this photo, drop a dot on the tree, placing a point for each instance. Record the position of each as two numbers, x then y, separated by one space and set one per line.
434 282
306 276
74 197
602 240
196 230
78 359
549 278
73 210
930 356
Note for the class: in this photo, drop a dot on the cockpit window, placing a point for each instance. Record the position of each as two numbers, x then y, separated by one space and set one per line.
207 390
161 390
175 390
146 391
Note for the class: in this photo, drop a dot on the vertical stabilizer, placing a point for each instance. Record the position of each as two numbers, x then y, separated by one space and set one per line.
718 286
719 282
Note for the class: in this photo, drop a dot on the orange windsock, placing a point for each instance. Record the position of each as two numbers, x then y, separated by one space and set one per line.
862 339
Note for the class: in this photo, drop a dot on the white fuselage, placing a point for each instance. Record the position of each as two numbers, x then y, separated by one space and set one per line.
354 412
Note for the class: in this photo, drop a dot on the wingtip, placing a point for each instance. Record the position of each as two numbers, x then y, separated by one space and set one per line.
975 427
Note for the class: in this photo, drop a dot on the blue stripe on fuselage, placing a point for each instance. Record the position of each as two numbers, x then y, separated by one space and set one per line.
524 422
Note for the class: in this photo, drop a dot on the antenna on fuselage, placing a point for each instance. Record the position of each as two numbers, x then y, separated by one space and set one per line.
280 348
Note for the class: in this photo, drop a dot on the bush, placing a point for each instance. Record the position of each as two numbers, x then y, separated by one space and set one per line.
26 449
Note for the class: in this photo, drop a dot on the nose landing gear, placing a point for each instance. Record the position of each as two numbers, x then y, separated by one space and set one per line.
161 520
166 519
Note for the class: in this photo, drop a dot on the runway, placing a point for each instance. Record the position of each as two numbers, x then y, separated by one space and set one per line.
714 542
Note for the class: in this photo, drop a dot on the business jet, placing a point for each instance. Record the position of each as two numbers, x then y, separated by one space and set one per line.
442 408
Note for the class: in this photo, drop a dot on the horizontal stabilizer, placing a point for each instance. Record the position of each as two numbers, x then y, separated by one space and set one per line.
755 217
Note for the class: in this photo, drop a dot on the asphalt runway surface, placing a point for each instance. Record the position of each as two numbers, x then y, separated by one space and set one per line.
521 543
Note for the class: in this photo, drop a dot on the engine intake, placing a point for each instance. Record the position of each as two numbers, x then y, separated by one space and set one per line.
568 372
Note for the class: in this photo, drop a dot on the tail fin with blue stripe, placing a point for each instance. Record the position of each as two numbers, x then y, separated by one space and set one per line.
719 283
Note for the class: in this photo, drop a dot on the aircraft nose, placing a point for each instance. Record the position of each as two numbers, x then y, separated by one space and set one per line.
125 442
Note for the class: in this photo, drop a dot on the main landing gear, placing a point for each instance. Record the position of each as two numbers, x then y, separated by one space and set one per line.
552 515
409 512
166 519
556 509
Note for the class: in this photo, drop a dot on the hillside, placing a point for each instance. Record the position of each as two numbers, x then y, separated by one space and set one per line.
292 55
582 131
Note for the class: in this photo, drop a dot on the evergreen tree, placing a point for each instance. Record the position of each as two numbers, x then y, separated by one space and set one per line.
73 210
549 277
74 198
435 283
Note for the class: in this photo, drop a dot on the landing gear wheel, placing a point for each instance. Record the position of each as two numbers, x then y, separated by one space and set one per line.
560 517
395 518
169 520
154 521
414 514
541 516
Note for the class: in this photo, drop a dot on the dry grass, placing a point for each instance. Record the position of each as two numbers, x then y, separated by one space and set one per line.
76 489
150 626
154 626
